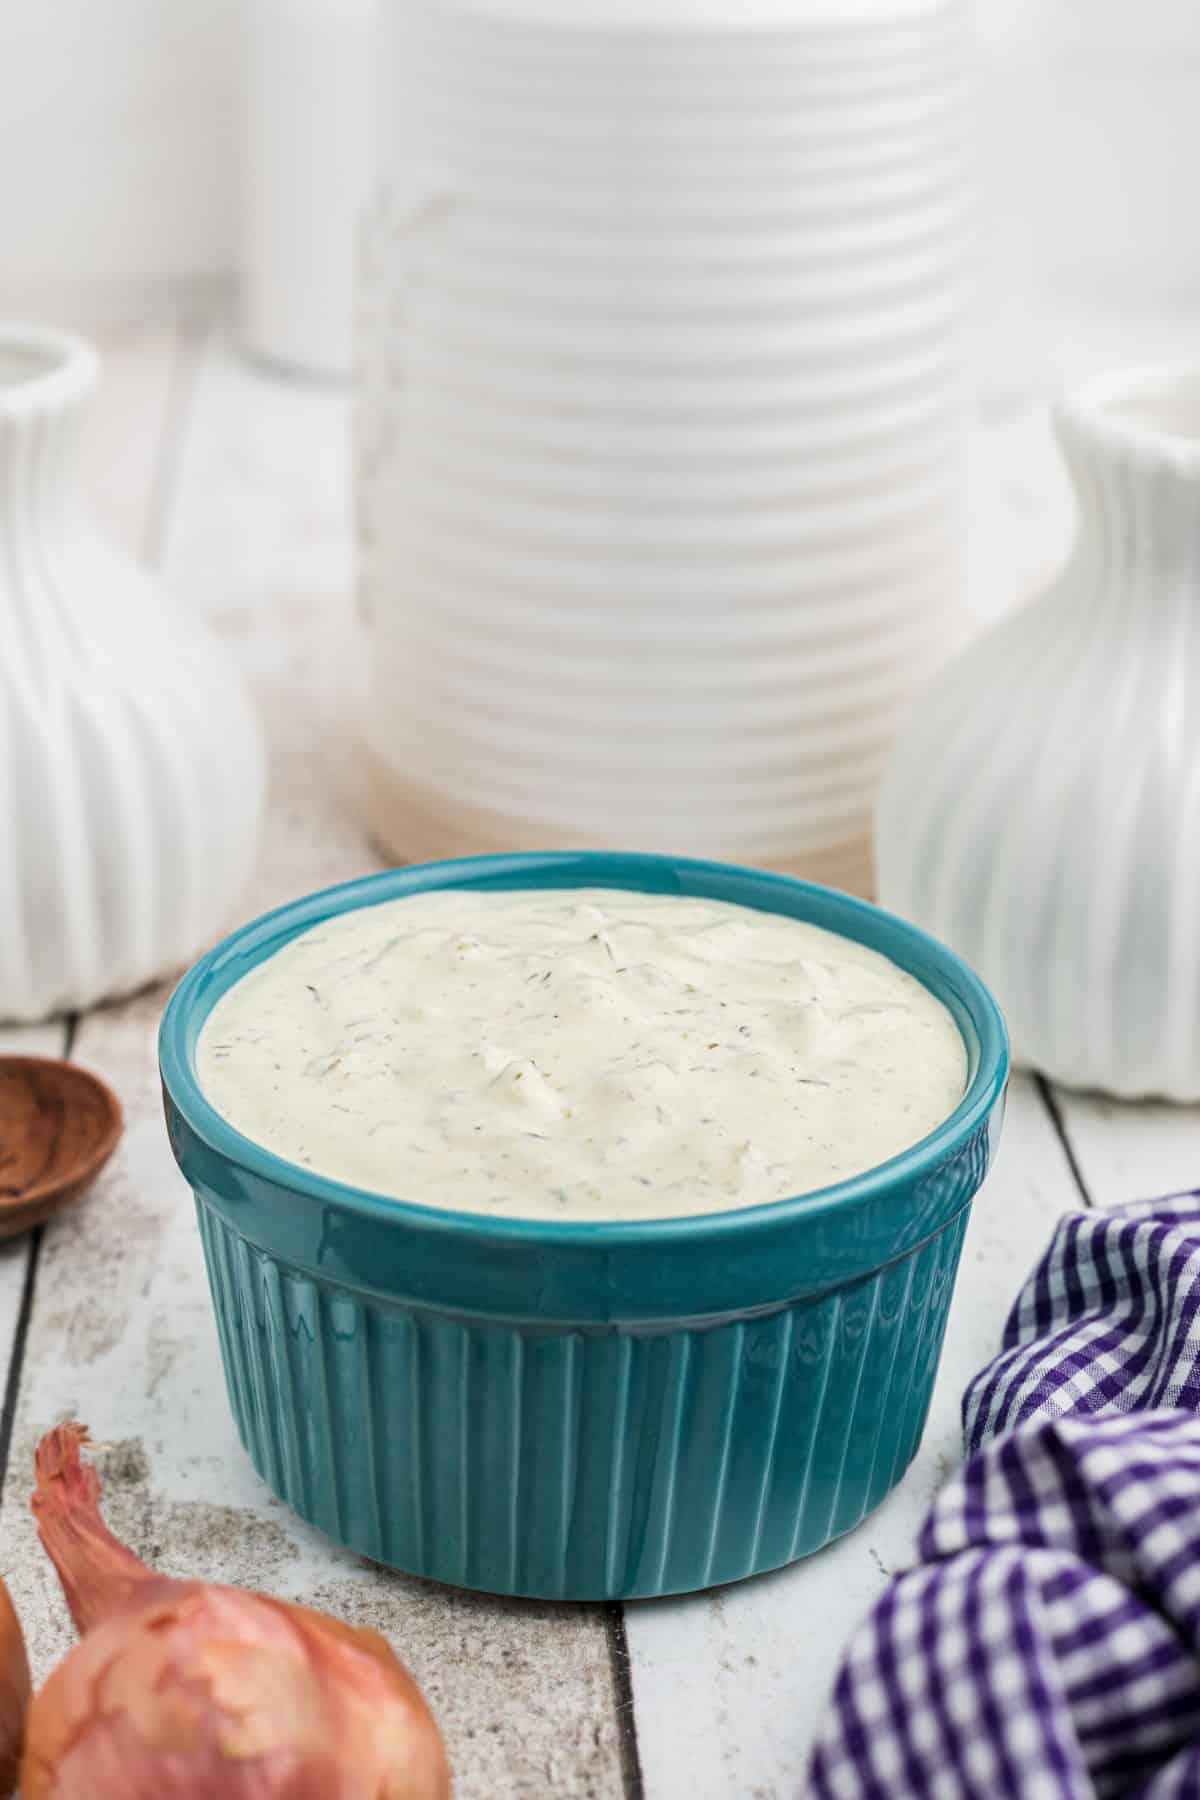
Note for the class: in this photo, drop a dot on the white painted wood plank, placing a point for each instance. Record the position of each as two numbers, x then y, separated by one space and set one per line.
1131 1152
121 1330
730 1686
34 1040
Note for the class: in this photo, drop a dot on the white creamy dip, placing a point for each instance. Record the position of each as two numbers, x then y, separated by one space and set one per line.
580 1054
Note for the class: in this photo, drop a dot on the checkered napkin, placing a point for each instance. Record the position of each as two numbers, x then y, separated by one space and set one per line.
1047 1643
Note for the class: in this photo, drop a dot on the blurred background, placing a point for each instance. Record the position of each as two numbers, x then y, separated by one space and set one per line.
123 155
159 161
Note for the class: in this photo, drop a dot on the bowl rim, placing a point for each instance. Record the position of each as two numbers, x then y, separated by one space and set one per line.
250 944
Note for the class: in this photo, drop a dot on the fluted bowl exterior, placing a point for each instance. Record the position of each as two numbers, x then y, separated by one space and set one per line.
583 1411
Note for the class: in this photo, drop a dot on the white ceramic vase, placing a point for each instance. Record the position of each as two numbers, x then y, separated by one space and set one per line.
663 419
131 770
1041 814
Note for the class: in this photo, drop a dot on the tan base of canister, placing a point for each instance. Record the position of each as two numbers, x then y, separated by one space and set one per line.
414 824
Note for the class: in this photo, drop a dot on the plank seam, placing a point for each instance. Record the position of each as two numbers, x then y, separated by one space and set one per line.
16 1361
633 1786
1050 1102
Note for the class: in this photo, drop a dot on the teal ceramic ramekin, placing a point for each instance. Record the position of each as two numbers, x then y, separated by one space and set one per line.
589 1411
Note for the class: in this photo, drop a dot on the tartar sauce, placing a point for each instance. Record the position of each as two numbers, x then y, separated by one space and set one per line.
580 1054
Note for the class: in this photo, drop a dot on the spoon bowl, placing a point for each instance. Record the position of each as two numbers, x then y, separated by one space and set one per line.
58 1127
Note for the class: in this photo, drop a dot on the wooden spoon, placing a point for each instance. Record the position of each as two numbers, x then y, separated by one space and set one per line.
58 1127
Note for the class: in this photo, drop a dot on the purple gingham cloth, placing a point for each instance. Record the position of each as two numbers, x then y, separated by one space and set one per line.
1047 1643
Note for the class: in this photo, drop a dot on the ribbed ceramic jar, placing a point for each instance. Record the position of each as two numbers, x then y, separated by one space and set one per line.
131 771
662 419
1042 811
583 1411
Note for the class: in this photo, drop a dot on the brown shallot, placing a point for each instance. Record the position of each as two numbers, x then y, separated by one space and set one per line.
15 1690
180 1689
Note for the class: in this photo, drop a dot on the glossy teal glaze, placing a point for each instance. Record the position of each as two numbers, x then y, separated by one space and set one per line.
583 1411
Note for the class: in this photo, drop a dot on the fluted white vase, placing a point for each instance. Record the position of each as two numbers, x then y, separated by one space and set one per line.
662 419
1042 812
131 769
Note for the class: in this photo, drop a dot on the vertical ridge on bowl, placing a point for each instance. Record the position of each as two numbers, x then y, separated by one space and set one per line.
326 1412
259 1421
716 1501
415 1438
894 1303
773 1415
662 1522
283 1381
359 1477
815 1336
622 1353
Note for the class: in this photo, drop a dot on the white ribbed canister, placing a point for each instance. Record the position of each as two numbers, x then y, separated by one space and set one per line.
662 419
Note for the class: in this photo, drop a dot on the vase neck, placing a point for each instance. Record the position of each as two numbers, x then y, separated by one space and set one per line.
45 380
1133 450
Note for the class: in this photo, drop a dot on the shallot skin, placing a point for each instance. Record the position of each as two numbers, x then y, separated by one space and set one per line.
195 1690
15 1690
184 1689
